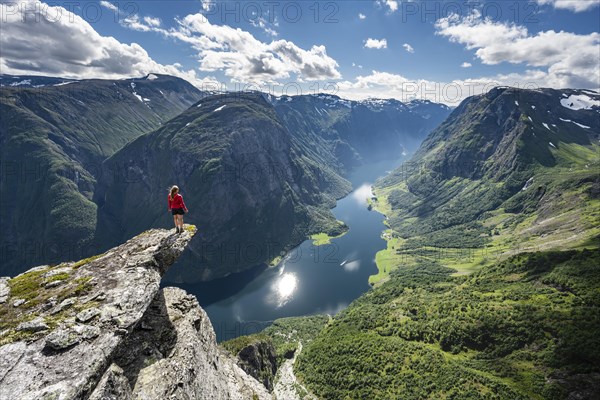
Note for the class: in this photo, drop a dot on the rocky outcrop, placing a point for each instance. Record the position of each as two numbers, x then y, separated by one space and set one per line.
173 355
107 331
259 360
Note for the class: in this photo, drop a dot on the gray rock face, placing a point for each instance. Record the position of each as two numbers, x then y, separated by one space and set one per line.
258 359
173 354
62 339
18 302
87 315
68 361
113 385
35 325
4 290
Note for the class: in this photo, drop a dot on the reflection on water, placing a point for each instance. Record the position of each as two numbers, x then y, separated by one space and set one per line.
362 193
284 288
351 266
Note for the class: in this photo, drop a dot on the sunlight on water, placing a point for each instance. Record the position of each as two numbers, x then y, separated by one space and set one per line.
285 287
351 266
362 193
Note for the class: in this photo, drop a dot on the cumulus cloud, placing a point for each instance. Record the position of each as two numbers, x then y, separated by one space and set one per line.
466 65
390 5
361 16
53 41
573 5
408 48
375 44
72 48
571 59
246 59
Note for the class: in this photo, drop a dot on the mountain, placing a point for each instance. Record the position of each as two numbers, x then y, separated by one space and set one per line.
53 141
102 328
58 132
488 286
252 191
356 131
508 170
260 173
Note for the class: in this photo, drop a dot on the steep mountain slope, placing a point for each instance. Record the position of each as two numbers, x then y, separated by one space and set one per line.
355 131
508 170
251 190
53 140
466 306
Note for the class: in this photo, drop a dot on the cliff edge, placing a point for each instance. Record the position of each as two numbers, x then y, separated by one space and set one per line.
102 328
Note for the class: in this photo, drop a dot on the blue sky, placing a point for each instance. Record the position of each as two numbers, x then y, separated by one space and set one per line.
441 50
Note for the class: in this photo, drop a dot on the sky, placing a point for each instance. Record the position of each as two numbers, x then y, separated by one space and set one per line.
443 51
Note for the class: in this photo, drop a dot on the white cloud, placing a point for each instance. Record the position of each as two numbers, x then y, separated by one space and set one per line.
573 5
408 48
109 5
137 24
380 84
391 5
466 65
68 46
207 4
151 21
571 59
375 44
357 65
244 58
361 16
389 85
262 23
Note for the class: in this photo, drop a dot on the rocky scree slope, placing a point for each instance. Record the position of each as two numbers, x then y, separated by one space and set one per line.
102 328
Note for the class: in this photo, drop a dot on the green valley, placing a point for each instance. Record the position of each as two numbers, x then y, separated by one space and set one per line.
488 287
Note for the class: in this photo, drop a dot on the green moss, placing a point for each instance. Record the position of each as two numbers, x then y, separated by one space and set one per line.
190 228
63 276
27 285
85 261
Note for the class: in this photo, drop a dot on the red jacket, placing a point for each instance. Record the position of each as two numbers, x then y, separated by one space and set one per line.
177 202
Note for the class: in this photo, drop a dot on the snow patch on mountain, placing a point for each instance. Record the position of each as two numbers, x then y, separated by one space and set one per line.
576 123
579 102
24 82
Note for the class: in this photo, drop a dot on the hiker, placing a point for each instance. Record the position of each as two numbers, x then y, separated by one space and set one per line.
177 208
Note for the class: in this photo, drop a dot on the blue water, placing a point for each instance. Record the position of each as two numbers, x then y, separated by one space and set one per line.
310 279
